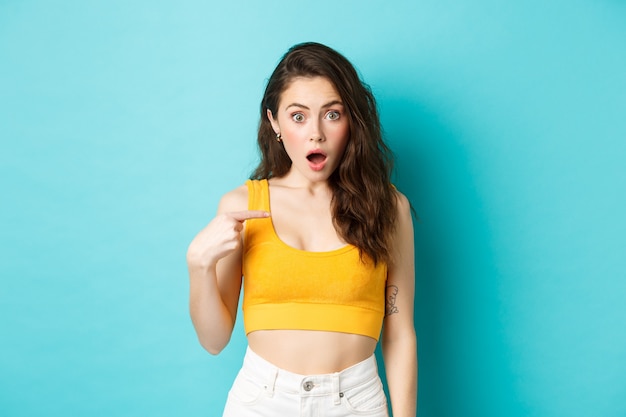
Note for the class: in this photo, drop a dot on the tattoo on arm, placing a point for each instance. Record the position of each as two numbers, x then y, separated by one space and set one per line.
392 292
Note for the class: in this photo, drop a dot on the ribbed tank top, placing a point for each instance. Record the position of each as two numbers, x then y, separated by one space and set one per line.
289 288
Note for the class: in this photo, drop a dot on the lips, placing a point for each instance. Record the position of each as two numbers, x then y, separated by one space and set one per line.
317 159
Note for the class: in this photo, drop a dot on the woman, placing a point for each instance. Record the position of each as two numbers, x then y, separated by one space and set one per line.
324 243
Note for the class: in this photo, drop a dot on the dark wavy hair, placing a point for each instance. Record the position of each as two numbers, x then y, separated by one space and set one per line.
364 201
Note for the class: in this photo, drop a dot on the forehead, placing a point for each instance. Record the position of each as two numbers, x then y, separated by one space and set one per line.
309 91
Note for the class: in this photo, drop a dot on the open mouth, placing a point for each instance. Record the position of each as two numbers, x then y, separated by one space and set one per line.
316 157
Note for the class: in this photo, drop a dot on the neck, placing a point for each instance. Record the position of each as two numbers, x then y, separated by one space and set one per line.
312 185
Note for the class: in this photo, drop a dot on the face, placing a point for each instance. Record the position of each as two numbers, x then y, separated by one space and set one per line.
314 127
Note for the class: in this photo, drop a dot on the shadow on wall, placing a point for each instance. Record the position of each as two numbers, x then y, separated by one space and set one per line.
462 354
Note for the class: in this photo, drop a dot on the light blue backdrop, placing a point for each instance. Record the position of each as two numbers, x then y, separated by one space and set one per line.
123 122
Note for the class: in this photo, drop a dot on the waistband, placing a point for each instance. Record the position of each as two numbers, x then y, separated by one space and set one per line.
273 377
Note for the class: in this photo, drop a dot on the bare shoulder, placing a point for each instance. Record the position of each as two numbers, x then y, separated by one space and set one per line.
234 200
403 234
403 207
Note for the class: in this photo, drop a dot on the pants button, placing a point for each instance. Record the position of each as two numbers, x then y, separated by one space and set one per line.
308 385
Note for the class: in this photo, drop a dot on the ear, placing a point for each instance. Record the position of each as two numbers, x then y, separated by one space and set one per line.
273 121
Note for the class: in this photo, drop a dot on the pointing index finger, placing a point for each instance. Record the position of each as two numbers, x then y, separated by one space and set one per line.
249 214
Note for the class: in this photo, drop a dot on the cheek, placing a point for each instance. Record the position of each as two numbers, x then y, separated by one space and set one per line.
338 130
342 133
291 144
291 132
341 142
346 131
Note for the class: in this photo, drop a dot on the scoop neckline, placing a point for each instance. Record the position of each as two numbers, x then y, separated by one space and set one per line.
345 248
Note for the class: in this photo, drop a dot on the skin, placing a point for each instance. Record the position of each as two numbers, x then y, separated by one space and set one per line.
310 116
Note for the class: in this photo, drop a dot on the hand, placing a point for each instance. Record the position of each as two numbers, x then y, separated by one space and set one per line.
220 237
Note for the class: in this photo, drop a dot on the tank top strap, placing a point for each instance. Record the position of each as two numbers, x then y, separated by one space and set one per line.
258 195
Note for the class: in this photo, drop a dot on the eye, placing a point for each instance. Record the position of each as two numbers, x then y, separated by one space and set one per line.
298 117
333 115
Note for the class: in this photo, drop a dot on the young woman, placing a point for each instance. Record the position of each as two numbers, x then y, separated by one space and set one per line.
324 243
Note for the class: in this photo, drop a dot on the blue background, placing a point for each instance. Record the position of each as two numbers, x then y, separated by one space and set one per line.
123 122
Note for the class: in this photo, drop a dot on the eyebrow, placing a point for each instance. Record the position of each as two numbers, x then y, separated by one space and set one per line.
329 104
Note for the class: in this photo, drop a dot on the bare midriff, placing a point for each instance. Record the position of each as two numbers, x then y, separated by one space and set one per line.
308 352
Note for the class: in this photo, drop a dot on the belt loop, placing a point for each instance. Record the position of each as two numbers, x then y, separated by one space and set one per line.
271 381
334 379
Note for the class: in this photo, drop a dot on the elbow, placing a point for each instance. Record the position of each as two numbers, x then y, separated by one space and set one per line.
212 337
213 347
212 350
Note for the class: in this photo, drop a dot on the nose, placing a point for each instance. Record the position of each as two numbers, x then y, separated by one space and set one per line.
316 132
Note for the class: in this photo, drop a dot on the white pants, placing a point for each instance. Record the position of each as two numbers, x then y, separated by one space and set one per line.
263 390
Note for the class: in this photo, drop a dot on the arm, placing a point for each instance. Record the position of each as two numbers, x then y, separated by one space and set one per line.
214 263
399 342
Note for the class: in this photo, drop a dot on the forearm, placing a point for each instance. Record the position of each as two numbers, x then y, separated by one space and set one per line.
211 317
400 358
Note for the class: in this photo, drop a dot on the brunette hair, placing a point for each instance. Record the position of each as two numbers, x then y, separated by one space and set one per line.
364 201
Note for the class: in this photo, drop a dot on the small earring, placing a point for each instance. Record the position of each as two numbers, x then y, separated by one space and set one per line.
278 137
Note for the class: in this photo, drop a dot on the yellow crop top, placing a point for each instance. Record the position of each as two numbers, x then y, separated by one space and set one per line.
288 288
